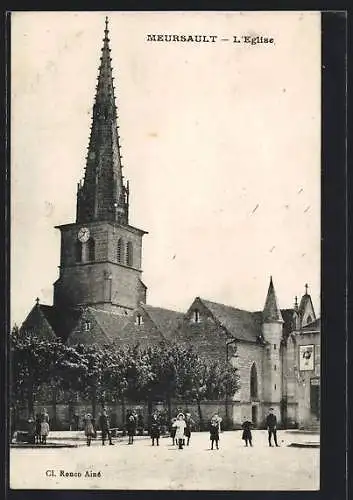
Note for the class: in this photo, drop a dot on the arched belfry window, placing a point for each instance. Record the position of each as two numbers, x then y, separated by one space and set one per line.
129 260
196 316
139 320
253 382
78 251
119 251
91 249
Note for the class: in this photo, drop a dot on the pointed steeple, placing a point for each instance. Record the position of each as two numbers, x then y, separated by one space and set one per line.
306 303
271 312
103 195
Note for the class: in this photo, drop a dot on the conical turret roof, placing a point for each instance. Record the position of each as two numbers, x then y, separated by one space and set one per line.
271 312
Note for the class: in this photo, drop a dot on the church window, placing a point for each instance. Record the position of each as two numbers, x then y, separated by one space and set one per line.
91 249
87 326
119 252
139 320
196 316
296 322
78 251
275 386
129 261
275 346
309 320
253 382
275 367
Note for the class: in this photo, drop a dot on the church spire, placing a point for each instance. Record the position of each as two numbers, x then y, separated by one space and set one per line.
103 195
271 312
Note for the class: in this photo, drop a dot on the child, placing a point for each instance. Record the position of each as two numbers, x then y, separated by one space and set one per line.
247 436
155 429
173 430
89 428
105 427
179 424
214 432
188 422
31 430
131 428
44 430
38 426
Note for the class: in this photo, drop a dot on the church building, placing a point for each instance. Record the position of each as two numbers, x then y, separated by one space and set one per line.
99 296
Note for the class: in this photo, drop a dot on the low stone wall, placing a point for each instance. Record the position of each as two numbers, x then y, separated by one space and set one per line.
231 412
61 416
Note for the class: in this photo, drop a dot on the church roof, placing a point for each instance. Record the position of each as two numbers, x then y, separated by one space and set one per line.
61 321
240 324
166 320
111 324
271 310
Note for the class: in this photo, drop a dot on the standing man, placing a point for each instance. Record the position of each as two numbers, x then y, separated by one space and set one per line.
104 425
271 423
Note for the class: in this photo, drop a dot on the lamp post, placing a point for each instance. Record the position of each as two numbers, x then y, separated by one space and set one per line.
228 343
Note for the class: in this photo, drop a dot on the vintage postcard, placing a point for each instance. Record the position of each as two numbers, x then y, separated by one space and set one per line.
165 250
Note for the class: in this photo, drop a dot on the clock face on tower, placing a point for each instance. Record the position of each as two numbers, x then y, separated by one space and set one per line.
83 234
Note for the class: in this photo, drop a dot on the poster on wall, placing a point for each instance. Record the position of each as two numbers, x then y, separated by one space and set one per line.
306 357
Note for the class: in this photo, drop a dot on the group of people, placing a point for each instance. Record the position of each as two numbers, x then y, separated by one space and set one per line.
271 424
91 431
134 423
180 428
38 428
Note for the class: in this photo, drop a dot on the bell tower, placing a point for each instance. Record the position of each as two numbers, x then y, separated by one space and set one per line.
101 253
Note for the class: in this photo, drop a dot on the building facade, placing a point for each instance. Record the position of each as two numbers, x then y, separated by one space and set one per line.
99 295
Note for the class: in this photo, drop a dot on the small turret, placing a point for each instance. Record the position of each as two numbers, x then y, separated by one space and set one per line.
306 308
271 312
272 330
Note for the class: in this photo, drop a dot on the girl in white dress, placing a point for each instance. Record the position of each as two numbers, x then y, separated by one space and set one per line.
180 425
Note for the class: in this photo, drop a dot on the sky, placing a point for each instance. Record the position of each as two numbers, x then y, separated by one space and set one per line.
220 143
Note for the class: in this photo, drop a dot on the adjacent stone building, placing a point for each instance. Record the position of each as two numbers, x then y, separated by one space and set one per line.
99 296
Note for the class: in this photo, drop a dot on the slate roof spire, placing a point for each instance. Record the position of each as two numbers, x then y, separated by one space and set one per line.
103 195
306 301
271 312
